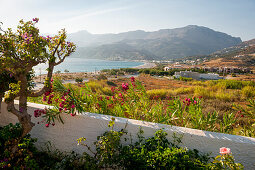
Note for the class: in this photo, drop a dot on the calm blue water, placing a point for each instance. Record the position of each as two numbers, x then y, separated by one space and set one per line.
87 65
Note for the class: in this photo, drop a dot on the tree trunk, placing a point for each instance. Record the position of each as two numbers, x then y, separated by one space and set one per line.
25 117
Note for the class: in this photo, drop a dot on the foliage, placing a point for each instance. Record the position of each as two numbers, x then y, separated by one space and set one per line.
28 157
24 157
131 100
225 161
79 80
248 114
153 153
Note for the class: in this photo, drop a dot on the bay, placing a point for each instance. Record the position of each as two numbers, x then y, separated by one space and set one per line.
86 65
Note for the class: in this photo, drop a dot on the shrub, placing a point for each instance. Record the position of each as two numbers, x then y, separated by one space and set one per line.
184 79
248 91
101 77
158 93
156 152
24 156
79 80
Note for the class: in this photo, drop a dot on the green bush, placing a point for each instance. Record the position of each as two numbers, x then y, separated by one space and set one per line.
156 152
78 80
24 156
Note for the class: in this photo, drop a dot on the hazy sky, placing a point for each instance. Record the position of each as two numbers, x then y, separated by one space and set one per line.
234 17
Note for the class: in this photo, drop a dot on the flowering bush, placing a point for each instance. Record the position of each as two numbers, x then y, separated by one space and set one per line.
20 51
131 100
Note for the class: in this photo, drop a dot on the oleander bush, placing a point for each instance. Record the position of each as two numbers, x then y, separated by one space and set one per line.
132 101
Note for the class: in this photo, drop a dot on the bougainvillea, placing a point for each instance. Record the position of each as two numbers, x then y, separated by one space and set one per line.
20 51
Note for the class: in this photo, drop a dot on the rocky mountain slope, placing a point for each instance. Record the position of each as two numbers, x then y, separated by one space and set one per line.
158 45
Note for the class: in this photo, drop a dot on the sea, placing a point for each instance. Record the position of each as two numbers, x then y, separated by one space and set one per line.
86 65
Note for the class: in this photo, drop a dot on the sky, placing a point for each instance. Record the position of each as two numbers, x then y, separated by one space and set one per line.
234 17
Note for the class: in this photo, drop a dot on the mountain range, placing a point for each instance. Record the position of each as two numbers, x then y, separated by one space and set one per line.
163 44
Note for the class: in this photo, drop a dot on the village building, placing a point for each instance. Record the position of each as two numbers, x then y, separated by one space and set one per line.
197 76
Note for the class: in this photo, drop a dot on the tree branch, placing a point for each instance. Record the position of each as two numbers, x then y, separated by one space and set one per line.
12 109
45 88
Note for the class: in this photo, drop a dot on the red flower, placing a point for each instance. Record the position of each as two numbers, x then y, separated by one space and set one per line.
47 93
110 105
47 125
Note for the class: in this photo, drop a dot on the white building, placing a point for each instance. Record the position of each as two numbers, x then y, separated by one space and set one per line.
196 75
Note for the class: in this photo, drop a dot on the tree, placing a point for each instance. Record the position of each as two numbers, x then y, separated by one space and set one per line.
20 51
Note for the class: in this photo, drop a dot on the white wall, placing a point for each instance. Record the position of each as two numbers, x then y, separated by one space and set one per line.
91 125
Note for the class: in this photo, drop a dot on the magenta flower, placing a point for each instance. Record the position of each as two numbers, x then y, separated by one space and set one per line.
73 106
120 94
61 105
35 20
132 79
47 125
125 86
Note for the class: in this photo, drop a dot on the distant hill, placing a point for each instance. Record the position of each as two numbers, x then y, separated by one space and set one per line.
157 45
242 55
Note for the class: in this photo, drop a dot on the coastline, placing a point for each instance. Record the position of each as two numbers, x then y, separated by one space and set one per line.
73 75
146 65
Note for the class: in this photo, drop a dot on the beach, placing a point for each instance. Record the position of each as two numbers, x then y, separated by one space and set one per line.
146 65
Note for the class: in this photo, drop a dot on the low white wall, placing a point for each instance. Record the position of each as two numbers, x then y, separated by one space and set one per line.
91 125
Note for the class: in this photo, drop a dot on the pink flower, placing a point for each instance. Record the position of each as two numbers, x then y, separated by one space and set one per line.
224 150
47 125
61 105
195 102
120 94
132 79
73 106
125 86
